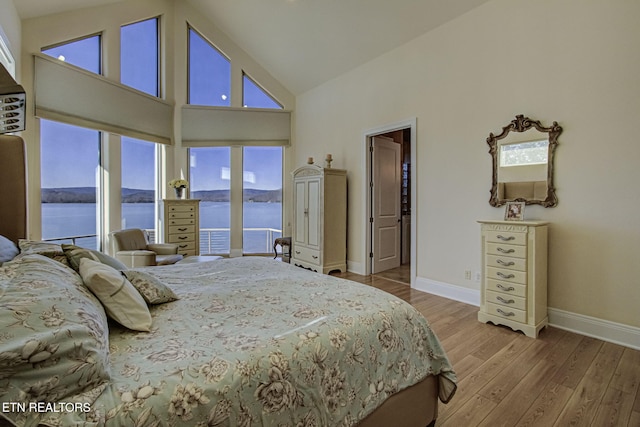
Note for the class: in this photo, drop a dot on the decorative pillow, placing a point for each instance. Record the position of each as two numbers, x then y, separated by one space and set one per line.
118 296
54 340
76 253
48 249
8 250
152 289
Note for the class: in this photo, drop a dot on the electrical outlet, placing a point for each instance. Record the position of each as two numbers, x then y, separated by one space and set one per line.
467 274
477 276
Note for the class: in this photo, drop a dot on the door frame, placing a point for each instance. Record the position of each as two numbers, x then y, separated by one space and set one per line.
410 123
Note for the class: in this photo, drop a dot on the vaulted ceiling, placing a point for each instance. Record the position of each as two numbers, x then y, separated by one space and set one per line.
304 43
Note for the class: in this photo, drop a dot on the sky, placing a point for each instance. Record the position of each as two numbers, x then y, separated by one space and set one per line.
70 154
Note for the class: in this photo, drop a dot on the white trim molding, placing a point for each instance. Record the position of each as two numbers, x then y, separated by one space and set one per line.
412 124
605 330
446 290
356 267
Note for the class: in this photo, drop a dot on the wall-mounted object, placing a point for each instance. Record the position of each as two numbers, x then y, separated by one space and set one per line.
12 103
522 156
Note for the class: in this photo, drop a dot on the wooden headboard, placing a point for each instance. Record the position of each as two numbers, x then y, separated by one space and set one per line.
13 188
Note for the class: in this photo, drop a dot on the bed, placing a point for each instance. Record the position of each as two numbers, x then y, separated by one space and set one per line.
235 342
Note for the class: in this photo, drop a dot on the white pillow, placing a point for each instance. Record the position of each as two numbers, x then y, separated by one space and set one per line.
122 302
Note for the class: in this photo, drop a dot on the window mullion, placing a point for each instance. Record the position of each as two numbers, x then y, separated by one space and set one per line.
236 197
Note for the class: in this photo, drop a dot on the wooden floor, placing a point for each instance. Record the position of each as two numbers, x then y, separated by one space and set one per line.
507 379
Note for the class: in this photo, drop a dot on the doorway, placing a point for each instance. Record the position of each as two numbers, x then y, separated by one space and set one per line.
390 246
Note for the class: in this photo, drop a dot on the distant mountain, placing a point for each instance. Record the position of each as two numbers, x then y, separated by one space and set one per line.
133 195
250 195
264 196
69 195
211 195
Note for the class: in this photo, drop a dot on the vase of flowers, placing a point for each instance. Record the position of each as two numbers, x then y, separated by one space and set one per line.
179 185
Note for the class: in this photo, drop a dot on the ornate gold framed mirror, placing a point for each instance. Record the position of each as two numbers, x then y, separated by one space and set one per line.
522 156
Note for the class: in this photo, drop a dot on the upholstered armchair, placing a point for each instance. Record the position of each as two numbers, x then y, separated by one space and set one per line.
132 247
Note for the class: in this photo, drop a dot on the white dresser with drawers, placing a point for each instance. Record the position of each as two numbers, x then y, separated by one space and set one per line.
514 275
181 223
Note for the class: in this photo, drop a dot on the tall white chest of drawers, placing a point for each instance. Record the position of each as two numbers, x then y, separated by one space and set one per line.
514 275
181 223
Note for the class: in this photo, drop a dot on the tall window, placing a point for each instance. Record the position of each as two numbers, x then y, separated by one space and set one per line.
209 73
262 198
262 181
254 96
210 176
70 161
70 185
139 185
210 171
139 62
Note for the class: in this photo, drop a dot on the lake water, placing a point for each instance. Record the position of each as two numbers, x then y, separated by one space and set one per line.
78 219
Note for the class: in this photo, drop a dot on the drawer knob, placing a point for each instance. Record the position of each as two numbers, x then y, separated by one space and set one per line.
298 252
505 238
183 237
505 263
507 314
314 256
505 288
505 276
506 251
182 229
505 301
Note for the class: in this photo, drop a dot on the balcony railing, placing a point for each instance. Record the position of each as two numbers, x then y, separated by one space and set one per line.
212 240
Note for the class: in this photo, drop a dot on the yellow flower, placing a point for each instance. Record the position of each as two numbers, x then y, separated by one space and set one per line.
179 183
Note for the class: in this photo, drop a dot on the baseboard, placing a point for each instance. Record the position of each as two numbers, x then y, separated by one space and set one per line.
605 330
355 267
446 290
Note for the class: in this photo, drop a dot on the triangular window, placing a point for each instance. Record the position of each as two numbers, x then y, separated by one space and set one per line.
255 97
84 53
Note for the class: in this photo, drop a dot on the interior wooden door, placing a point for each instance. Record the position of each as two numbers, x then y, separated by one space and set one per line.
387 176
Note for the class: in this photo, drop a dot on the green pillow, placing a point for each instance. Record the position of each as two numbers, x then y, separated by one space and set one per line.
39 247
152 289
76 253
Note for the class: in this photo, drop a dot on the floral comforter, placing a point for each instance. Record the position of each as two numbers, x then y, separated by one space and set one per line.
256 342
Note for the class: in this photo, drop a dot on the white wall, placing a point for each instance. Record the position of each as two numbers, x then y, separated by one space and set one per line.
571 61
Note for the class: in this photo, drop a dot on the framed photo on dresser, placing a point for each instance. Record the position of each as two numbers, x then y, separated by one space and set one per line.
514 211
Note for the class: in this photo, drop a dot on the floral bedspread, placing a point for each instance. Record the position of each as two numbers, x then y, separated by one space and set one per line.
256 342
